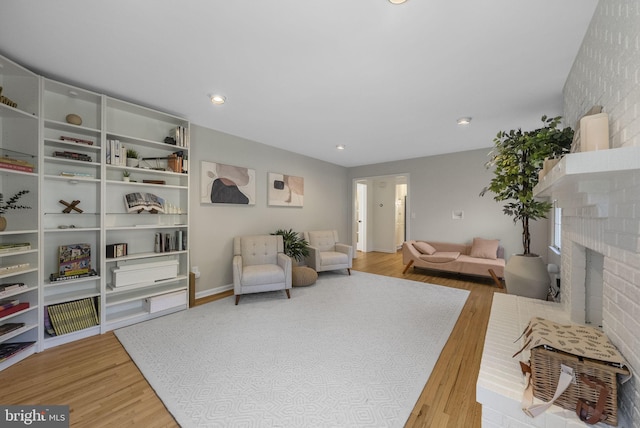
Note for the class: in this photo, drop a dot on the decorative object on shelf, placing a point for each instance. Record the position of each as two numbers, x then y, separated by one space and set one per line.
73 206
116 250
592 131
74 119
139 202
126 176
285 190
7 101
294 245
132 158
227 184
11 204
517 158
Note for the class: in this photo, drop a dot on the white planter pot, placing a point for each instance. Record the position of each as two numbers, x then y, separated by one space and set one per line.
527 276
131 162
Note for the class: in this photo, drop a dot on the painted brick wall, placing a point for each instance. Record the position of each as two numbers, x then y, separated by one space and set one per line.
607 72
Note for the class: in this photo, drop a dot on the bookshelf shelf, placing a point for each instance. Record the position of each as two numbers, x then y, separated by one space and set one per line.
144 256
18 332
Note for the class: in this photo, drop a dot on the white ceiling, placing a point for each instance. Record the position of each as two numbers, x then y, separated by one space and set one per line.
388 81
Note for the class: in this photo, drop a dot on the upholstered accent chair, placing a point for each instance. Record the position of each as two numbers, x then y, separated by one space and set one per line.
259 264
326 252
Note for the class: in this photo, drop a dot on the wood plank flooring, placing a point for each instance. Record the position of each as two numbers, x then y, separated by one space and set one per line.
104 388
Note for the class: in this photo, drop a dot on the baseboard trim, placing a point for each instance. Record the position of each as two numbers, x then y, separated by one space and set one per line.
213 291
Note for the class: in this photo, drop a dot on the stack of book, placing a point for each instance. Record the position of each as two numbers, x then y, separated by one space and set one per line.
11 306
74 261
13 268
9 327
16 164
15 248
10 349
72 316
11 288
72 155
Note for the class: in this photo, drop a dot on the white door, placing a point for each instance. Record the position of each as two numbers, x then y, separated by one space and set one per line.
361 216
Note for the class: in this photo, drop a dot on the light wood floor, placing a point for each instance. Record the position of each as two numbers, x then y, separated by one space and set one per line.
104 388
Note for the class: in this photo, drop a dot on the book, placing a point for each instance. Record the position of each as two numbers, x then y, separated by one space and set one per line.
72 155
8 303
47 322
74 259
12 310
10 349
9 327
138 202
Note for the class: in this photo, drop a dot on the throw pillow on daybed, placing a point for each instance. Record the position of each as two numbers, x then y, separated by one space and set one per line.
485 248
424 248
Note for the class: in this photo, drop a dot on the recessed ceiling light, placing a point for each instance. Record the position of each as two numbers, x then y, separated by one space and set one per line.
397 1
464 121
340 147
218 99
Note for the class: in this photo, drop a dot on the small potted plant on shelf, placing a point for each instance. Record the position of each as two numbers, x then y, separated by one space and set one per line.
126 175
294 245
132 158
11 204
516 159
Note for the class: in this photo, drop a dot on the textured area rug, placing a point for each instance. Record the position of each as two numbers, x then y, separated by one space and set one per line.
349 351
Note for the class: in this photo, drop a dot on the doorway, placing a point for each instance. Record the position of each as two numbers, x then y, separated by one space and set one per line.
380 208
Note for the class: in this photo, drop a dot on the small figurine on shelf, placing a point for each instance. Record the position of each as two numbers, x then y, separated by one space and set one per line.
126 175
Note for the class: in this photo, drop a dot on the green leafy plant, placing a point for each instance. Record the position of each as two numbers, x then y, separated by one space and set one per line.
294 245
126 173
12 202
517 157
132 154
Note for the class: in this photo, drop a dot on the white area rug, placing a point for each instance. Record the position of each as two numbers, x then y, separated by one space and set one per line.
349 351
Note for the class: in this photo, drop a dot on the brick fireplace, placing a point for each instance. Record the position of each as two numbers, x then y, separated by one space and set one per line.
599 193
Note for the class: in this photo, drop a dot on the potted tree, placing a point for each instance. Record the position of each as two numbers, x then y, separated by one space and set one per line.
294 245
517 157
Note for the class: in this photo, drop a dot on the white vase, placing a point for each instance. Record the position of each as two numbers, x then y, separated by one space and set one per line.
126 178
132 162
527 276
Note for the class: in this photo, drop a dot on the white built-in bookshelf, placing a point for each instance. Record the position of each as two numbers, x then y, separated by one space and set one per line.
76 197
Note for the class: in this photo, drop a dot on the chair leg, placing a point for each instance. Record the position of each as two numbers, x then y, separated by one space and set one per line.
237 299
407 266
288 294
349 270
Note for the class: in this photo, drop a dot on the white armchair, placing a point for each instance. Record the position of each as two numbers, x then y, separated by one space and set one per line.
326 253
259 264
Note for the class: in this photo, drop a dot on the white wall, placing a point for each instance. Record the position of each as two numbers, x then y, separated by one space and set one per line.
441 184
213 226
606 72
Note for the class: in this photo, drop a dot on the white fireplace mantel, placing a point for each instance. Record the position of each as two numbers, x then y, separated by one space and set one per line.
591 175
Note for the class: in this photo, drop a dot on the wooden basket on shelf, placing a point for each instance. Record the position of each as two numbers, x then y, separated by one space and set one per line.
545 374
575 367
